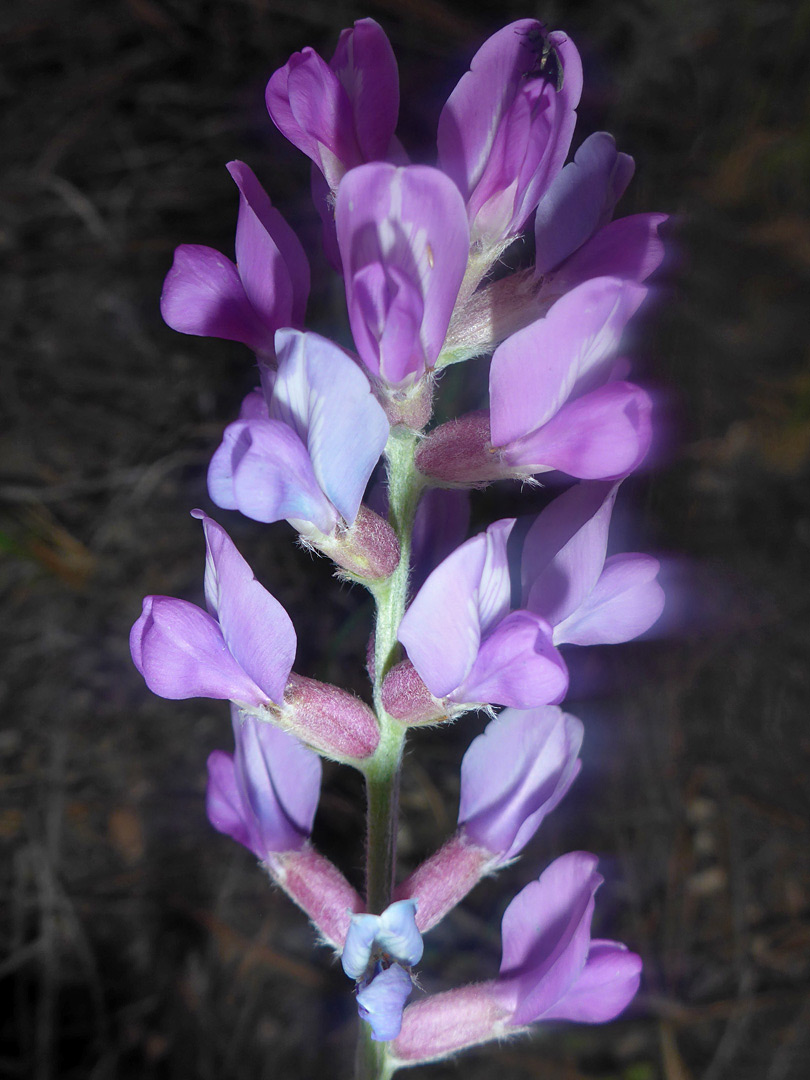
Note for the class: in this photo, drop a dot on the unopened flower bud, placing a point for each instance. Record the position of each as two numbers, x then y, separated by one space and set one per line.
330 720
366 551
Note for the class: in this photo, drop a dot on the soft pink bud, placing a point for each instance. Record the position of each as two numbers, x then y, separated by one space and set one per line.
368 550
460 453
406 698
330 720
445 878
443 1024
319 889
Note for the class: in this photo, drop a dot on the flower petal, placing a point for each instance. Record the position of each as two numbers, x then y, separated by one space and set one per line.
629 248
410 224
223 802
470 137
269 257
280 780
181 653
516 665
364 63
625 602
328 400
514 774
381 1002
580 200
398 934
607 985
203 295
309 106
564 550
604 435
546 935
262 469
535 370
442 628
256 628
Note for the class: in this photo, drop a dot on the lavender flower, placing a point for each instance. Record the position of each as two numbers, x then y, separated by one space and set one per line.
505 131
376 948
574 239
466 644
512 776
207 295
588 599
551 969
404 241
306 452
242 650
344 113
555 400
266 794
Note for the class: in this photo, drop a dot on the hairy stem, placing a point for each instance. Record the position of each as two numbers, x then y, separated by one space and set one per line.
382 771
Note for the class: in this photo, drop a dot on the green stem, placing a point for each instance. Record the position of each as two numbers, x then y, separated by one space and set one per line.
382 771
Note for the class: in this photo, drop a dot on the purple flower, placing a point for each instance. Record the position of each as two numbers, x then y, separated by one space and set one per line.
566 579
266 794
466 644
506 128
551 970
404 242
344 113
393 933
206 294
308 452
555 400
514 774
376 946
242 650
574 240
380 1001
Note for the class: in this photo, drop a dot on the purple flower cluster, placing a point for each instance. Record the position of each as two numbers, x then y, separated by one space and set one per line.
462 623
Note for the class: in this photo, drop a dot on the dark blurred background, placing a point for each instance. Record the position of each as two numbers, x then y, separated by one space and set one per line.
136 941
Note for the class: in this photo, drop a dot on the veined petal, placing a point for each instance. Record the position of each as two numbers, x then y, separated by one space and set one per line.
516 665
546 935
535 370
625 602
628 248
440 629
328 399
256 628
269 257
181 653
494 590
398 934
280 780
262 469
309 106
472 146
608 983
603 435
364 63
380 1002
203 295
463 597
514 774
564 550
359 943
413 219
580 200
223 801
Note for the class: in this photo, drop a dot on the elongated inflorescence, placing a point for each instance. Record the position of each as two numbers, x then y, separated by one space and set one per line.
464 623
